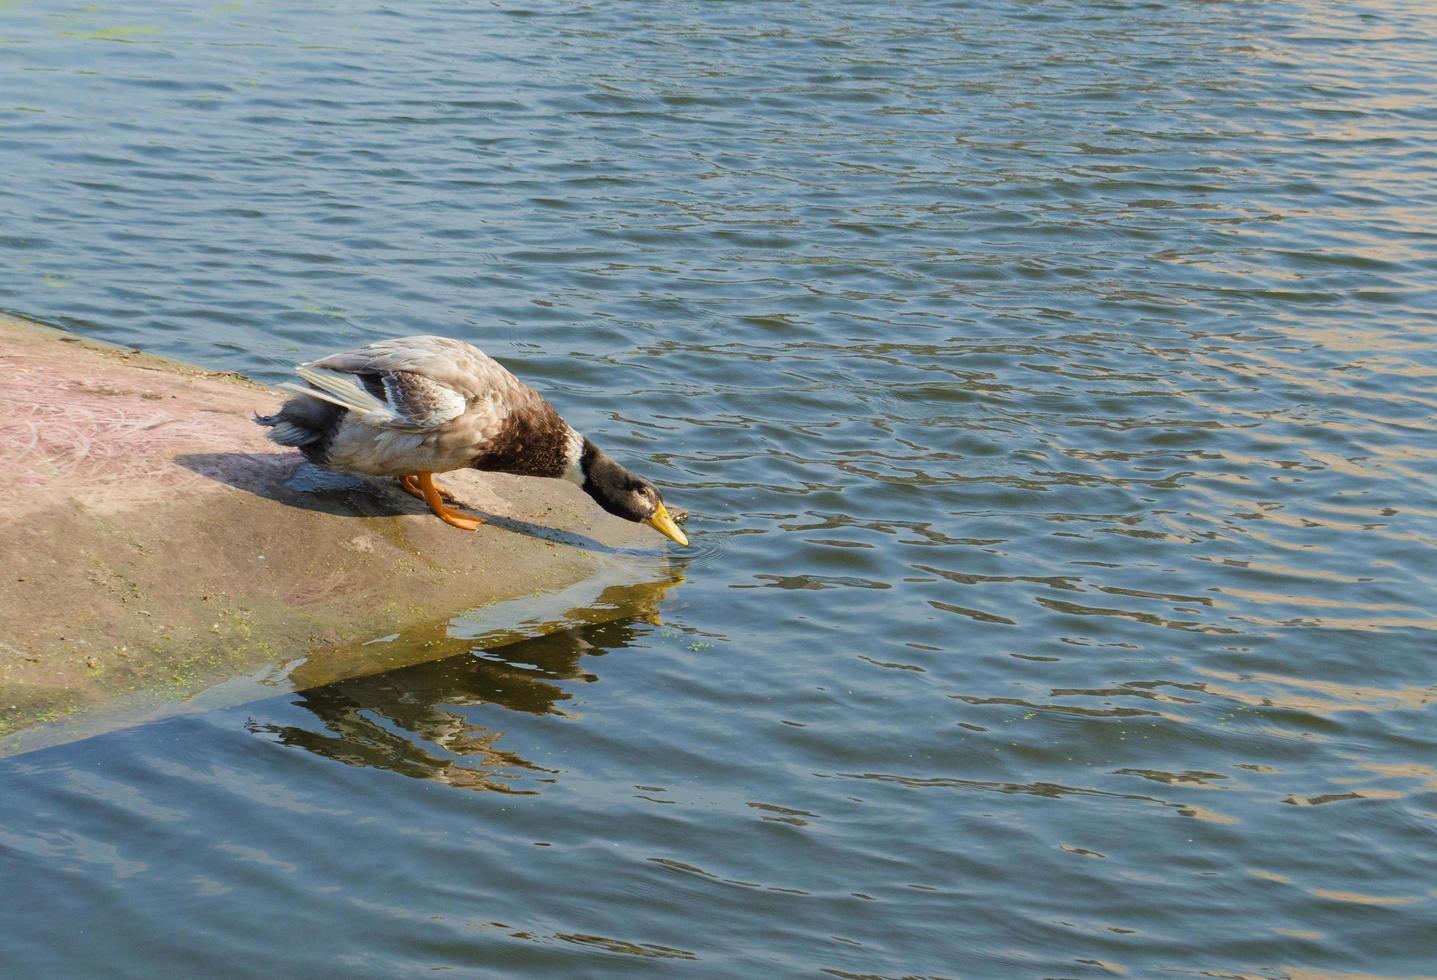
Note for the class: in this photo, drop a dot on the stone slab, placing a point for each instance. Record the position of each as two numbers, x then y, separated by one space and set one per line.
157 553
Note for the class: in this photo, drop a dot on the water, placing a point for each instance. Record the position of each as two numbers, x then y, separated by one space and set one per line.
1051 385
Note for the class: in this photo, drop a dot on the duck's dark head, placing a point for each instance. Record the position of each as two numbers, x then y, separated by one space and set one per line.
625 495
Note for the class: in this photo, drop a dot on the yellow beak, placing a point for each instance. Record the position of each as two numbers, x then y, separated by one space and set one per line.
665 525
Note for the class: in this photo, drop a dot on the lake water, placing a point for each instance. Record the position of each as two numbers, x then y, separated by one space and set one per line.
1052 388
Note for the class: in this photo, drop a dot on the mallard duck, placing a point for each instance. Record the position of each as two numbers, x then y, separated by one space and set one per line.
416 406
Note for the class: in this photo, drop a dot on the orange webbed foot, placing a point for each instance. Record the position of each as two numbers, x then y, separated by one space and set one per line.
422 485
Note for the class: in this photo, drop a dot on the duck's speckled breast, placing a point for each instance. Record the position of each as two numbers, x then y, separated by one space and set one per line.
533 440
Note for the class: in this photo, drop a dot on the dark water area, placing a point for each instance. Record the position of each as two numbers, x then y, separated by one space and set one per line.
1051 386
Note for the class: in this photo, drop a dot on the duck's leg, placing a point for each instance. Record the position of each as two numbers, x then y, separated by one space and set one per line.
410 483
423 486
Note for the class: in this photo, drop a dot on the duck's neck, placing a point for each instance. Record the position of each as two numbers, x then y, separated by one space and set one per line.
604 479
598 473
576 450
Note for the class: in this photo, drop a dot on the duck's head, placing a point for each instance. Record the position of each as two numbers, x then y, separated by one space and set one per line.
624 494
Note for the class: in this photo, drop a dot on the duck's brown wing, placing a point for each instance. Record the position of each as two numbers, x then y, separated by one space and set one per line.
451 364
414 383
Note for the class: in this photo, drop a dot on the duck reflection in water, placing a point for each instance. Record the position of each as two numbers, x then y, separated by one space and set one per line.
413 720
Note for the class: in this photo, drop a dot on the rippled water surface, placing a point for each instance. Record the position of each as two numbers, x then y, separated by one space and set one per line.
1052 387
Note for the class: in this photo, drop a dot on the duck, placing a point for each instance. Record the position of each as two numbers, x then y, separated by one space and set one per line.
411 407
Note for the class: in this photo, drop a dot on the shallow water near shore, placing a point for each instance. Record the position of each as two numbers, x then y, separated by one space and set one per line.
1051 387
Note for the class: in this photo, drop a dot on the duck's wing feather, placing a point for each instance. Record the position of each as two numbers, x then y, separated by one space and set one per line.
411 383
453 364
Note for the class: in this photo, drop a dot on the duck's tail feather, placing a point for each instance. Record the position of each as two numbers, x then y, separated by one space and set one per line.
305 423
287 433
